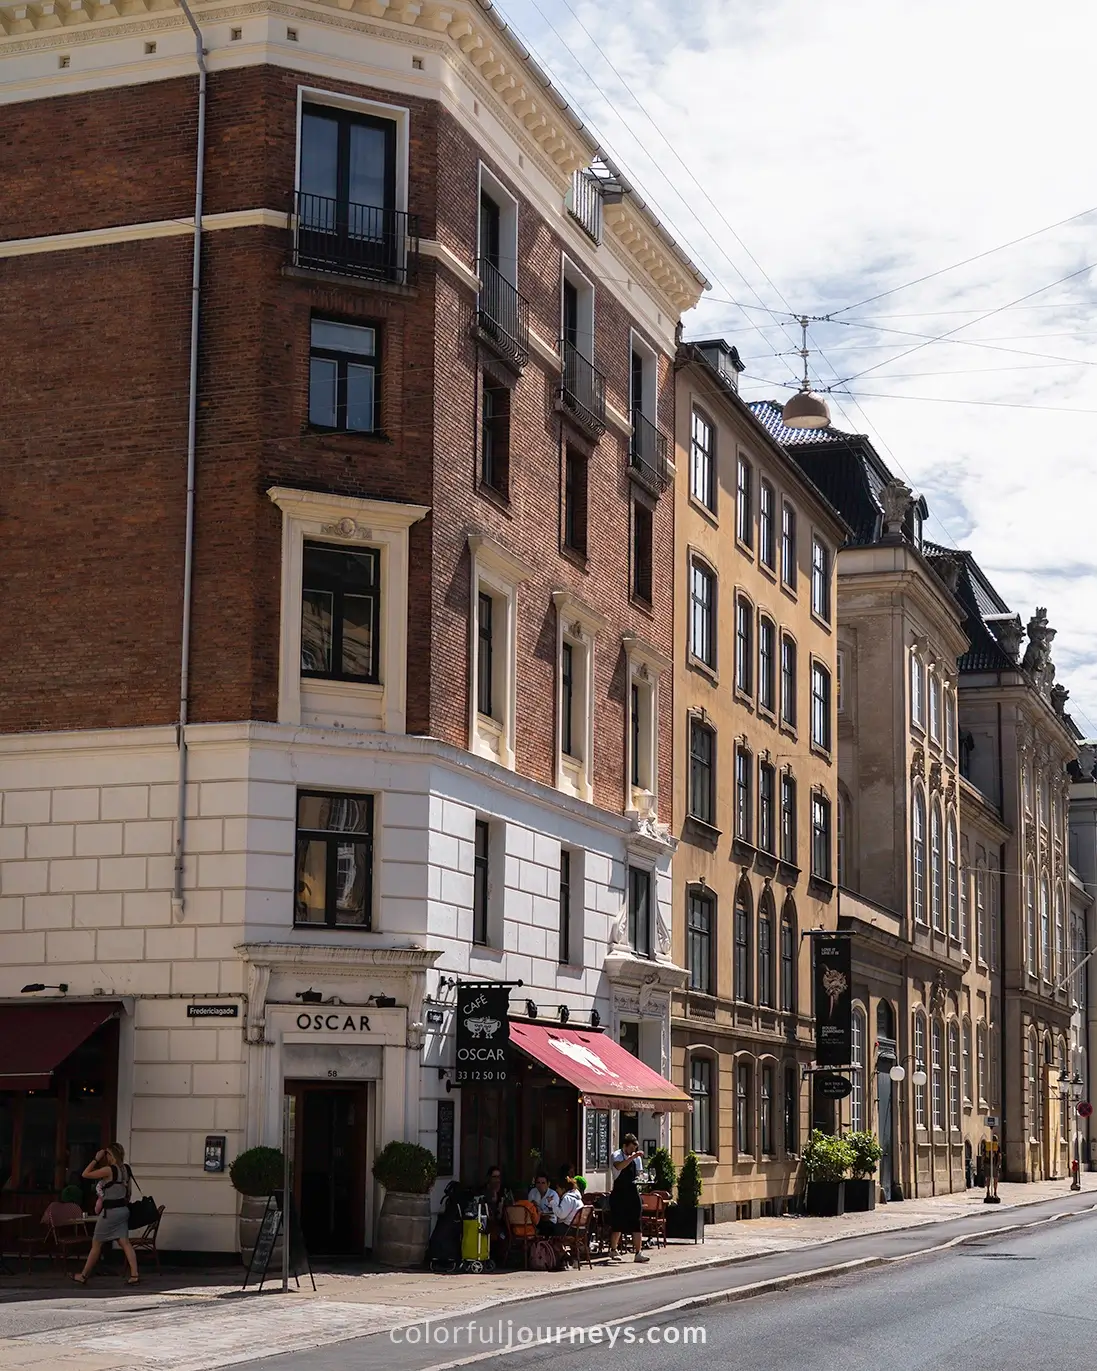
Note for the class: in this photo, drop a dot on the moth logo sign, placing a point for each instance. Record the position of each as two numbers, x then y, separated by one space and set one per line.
483 1035
833 1001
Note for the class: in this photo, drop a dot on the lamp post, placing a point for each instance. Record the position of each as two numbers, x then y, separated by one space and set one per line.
898 1074
1070 1083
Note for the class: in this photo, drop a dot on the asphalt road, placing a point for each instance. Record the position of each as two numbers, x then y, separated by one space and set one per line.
1028 1296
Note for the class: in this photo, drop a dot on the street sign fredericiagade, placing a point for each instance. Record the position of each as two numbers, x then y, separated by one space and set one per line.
832 1086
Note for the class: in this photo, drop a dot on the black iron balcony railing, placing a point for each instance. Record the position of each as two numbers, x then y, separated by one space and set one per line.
584 203
583 389
370 241
502 314
648 453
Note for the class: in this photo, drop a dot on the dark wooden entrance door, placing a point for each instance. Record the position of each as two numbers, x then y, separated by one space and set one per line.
329 1165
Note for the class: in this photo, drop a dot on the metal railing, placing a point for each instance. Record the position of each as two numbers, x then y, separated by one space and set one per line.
583 389
370 241
648 453
584 203
502 314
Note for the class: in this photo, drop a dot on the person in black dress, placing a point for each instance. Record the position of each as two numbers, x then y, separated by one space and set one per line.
624 1200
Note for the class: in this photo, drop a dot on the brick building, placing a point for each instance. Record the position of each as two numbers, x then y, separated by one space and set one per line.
429 595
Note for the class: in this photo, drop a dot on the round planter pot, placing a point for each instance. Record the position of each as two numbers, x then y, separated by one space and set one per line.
252 1209
403 1230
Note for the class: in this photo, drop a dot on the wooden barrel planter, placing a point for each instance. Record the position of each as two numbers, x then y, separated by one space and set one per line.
403 1230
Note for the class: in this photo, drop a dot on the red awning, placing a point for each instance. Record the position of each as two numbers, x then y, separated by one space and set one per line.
606 1074
36 1038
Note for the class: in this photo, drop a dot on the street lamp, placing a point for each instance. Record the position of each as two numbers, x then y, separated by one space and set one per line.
1070 1084
898 1074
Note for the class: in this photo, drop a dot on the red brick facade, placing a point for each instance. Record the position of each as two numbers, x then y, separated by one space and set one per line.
94 418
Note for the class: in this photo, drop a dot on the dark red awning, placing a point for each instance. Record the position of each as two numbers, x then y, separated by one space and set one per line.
606 1074
36 1038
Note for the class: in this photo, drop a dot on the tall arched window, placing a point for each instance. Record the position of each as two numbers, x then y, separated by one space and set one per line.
1045 931
954 1076
885 1021
965 896
937 1073
702 1087
857 1075
981 1063
766 920
982 946
1062 968
744 913
792 1111
788 957
965 1063
920 1063
1033 1088
1030 920
953 883
918 857
936 871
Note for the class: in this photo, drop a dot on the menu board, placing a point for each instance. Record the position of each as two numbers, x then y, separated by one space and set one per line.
597 1139
446 1109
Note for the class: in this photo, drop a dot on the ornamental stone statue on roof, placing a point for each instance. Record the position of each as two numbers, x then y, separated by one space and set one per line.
896 499
1037 659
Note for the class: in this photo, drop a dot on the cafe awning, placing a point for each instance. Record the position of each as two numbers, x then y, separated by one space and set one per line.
36 1038
606 1075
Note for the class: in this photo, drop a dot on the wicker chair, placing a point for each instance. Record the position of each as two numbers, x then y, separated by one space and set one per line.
521 1221
572 1240
145 1240
653 1217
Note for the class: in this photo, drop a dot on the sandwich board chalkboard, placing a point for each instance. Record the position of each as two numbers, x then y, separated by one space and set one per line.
269 1230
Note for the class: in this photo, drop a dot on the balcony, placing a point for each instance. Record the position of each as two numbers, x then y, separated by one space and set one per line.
368 241
582 391
502 315
584 203
648 454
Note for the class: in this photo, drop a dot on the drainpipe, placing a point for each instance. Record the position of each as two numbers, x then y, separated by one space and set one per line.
192 423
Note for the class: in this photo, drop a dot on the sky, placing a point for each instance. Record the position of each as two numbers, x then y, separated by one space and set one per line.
810 157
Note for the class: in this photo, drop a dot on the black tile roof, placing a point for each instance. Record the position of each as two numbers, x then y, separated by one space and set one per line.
981 601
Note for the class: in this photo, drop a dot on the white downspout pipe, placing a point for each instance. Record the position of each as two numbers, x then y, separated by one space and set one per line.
192 423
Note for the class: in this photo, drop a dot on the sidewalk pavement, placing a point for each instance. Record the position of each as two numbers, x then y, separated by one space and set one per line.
187 1322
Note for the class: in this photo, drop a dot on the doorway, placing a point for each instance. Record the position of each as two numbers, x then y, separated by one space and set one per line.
329 1165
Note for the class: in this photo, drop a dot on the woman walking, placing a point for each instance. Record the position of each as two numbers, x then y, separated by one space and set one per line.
625 1207
113 1224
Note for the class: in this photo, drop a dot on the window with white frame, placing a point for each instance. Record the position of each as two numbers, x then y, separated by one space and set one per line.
639 910
936 869
496 575
700 926
937 1074
767 917
934 706
920 1063
981 1063
994 894
954 1076
918 857
950 720
1061 968
343 372
702 613
702 464
1045 931
981 941
743 804
743 1107
820 837
767 1141
965 1062
334 867
767 805
789 848
744 502
1030 921
577 627
743 917
953 874
820 706
820 579
645 668
702 772
767 526
917 691
857 1074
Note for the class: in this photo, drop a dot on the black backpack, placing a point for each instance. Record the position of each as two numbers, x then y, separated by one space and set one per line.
142 1211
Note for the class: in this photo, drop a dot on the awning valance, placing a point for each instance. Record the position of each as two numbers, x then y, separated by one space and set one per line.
36 1038
606 1074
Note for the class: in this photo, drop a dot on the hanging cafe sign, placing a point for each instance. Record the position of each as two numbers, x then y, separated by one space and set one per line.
833 999
483 1034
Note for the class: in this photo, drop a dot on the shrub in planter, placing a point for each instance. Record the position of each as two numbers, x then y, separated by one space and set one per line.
826 1161
254 1174
686 1219
861 1187
407 1171
662 1170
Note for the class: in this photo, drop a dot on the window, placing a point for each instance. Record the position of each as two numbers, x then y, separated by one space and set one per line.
965 1063
840 676
564 953
767 838
744 646
920 1065
743 766
1030 922
788 682
954 1076
567 698
918 858
788 545
767 664
485 632
820 706
981 1062
857 1075
1062 970
950 721
643 676
936 871
480 883
820 579
792 1112
639 910
788 960
937 1081
935 706
953 883
699 925
820 837
700 1090
744 511
993 898
765 951
769 1145
742 1108
843 819
340 612
634 725
917 691
334 860
641 551
575 500
965 896
576 699
1034 1101
494 434
981 916
702 469
788 820
743 910
1045 932
767 532
702 792
702 601
342 377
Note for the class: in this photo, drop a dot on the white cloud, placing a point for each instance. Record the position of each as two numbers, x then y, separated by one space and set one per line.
853 147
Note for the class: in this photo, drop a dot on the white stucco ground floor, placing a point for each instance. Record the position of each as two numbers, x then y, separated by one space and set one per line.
337 886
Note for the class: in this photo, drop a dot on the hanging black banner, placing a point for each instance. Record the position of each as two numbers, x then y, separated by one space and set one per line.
483 1034
833 1001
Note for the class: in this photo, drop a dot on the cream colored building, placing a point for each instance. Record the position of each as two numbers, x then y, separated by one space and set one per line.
756 795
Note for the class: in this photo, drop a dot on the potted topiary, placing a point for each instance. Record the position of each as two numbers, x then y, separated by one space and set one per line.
861 1186
662 1171
686 1219
407 1171
826 1161
254 1175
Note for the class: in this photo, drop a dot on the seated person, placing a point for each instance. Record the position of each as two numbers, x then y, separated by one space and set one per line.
570 1202
547 1201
